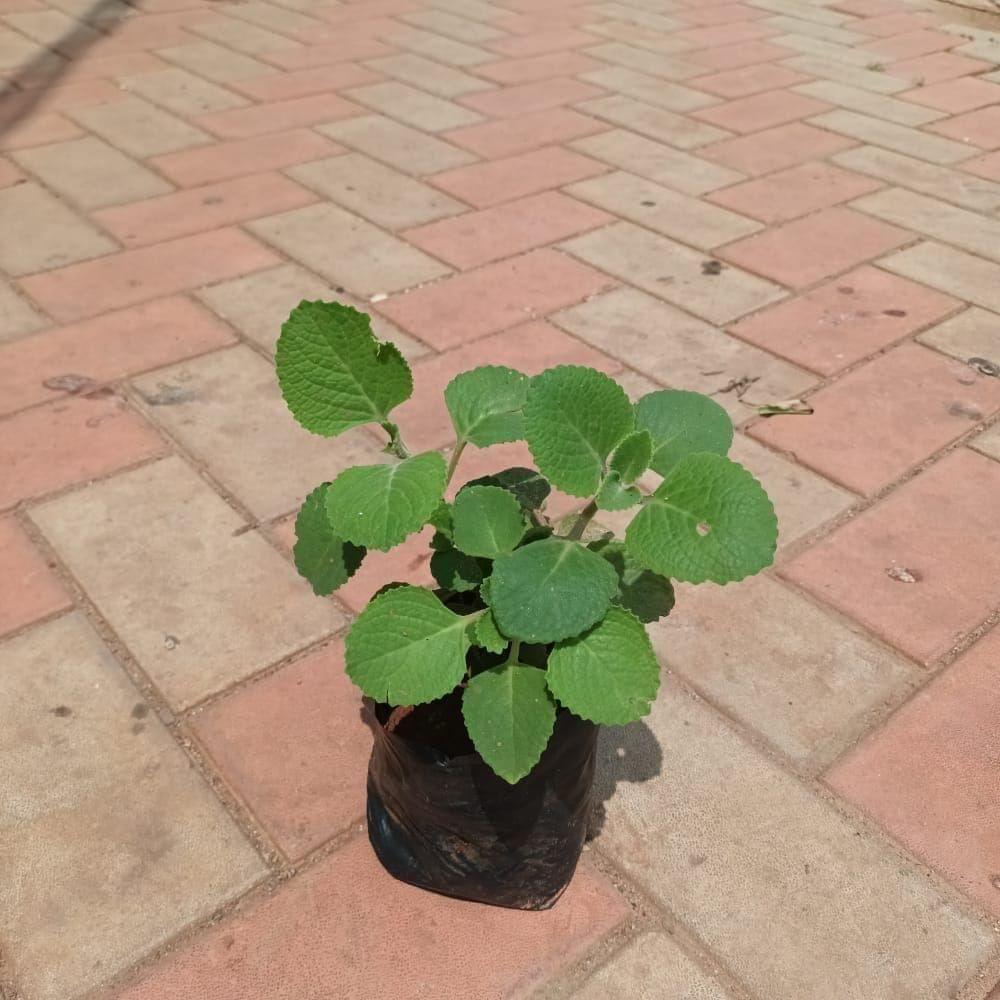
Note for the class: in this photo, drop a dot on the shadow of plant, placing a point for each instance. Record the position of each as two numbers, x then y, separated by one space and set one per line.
630 754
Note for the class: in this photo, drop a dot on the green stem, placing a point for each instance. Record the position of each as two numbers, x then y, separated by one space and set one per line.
515 650
453 462
396 444
585 517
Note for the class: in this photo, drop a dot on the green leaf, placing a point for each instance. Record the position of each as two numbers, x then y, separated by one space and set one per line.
484 633
530 488
485 405
509 714
708 520
682 423
407 648
379 505
631 458
550 590
454 570
573 418
441 519
608 675
333 373
614 496
646 594
488 521
321 555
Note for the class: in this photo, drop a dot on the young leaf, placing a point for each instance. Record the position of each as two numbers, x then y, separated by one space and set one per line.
333 373
454 570
488 521
509 714
441 519
646 594
406 647
614 496
485 405
530 488
631 458
607 675
682 423
484 633
573 417
550 590
708 520
379 505
321 556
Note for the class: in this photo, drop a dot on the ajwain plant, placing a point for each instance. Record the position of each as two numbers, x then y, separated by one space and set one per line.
525 618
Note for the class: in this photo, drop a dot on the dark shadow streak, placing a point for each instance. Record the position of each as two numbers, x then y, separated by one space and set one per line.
630 754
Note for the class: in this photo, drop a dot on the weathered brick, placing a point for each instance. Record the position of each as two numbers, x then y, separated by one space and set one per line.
138 127
29 590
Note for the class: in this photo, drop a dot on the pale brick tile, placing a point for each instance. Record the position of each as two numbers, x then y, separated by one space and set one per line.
683 833
868 103
899 138
974 333
650 89
211 207
214 62
959 274
526 70
352 50
215 404
662 164
631 33
40 233
276 18
543 39
848 74
656 64
376 192
91 173
277 116
804 12
182 92
398 145
138 127
649 18
29 590
243 37
678 350
437 47
939 182
17 317
413 107
305 82
510 136
15 50
811 46
258 304
347 250
789 25
460 28
165 515
445 81
966 230
530 98
679 216
656 123
74 844
38 130
473 9
51 27
674 272
988 444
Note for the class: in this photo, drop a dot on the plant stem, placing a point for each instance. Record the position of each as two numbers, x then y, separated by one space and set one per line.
515 650
396 716
396 444
453 462
585 517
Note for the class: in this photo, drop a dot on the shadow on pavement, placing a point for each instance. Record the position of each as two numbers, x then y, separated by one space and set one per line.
630 754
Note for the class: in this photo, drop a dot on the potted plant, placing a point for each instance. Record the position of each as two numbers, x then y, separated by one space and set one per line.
485 694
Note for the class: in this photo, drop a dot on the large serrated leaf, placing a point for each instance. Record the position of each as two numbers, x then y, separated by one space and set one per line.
487 521
454 570
708 520
682 423
529 486
550 590
379 505
333 373
321 555
573 418
407 648
646 594
509 714
485 405
607 675
632 456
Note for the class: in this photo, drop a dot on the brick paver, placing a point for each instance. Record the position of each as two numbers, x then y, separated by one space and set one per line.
764 200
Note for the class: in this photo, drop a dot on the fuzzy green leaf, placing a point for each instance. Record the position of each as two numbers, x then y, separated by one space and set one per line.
333 373
485 405
407 648
454 570
321 555
379 505
708 520
550 590
530 488
631 458
646 594
488 521
573 418
682 423
484 633
609 674
510 715
614 496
